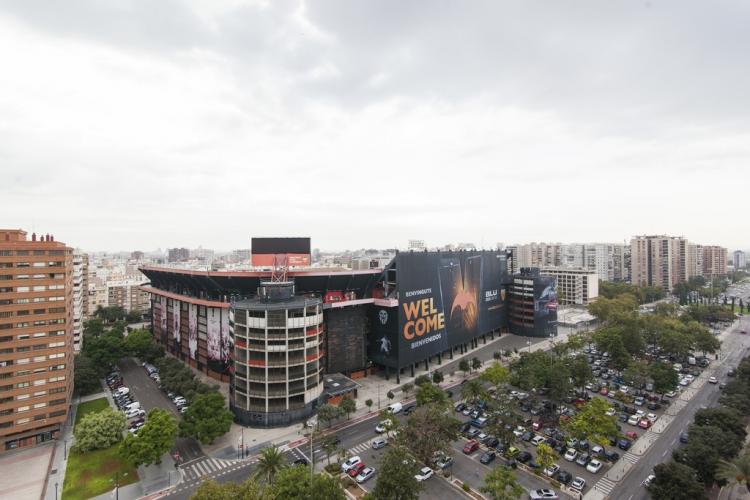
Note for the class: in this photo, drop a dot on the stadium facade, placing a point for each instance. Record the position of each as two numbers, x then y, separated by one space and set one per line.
273 337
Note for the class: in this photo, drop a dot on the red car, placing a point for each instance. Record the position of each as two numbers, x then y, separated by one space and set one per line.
631 435
471 446
354 471
644 423
603 391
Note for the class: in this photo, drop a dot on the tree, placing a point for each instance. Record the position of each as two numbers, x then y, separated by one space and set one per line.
437 377
93 328
86 375
476 364
593 423
134 317
430 393
473 390
396 479
406 388
675 481
580 370
368 404
500 484
705 342
735 471
464 366
294 482
206 418
247 490
707 445
390 395
726 419
348 406
138 343
636 374
154 439
496 374
421 380
99 430
327 413
429 430
329 447
664 376
545 455
270 462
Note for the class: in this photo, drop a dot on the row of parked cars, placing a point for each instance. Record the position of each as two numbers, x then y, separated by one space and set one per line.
179 401
125 401
355 468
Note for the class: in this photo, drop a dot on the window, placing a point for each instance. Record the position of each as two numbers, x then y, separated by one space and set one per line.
39 252
39 322
40 334
39 288
40 276
22 277
22 361
21 385
38 264
40 405
53 310
56 390
5 289
22 289
22 409
22 325
22 421
23 349
39 347
6 314
37 359
22 301
57 413
41 416
40 382
6 253
40 393
6 277
22 396
57 344
23 373
6 326
56 402
38 311
58 355
6 339
25 312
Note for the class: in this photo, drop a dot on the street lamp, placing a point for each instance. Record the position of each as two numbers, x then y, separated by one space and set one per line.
65 449
56 490
528 343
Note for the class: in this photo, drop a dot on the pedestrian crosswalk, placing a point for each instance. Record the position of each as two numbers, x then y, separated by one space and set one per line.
360 448
605 485
205 466
629 457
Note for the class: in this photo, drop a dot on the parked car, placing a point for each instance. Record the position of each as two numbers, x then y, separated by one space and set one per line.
551 470
378 443
683 437
583 459
570 454
543 494
594 466
578 484
523 457
564 477
612 456
351 462
488 457
624 444
443 462
537 440
425 473
366 474
471 446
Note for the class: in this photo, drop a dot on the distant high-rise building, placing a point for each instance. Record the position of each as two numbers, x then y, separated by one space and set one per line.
658 260
178 254
137 255
416 245
739 259
574 286
36 338
714 261
126 293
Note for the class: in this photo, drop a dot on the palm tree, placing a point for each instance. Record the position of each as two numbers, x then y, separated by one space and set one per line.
736 471
473 390
270 462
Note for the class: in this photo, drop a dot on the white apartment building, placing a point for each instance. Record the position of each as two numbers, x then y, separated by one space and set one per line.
574 286
739 259
80 297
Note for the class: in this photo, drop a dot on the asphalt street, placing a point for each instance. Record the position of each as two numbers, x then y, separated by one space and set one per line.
735 346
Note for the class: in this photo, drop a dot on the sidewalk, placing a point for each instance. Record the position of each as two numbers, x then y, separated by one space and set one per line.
59 462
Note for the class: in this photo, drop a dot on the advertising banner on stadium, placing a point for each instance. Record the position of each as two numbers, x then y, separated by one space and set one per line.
176 320
447 298
192 329
226 337
163 317
213 333
545 306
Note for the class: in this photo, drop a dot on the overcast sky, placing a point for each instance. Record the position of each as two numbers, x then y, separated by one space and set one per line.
143 124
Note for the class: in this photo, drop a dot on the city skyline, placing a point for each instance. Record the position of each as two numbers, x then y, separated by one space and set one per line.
140 125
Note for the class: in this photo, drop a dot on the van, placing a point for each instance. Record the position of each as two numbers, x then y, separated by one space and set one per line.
691 361
395 408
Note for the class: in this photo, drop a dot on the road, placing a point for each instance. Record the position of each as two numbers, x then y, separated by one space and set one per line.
736 347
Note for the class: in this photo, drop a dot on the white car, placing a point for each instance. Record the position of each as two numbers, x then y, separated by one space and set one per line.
611 412
653 417
671 394
648 480
570 454
633 420
684 382
135 412
594 466
640 414
425 473
543 494
578 483
366 474
537 440
351 462
551 470
519 431
713 380
624 389
383 426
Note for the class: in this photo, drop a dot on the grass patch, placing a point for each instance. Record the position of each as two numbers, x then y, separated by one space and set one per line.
91 407
91 474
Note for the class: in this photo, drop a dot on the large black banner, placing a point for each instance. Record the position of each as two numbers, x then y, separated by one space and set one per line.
545 306
447 298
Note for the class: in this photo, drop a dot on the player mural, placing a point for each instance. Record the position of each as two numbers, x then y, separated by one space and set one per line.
213 333
176 320
192 329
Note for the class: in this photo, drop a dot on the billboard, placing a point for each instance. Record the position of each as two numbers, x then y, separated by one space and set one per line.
213 333
192 329
447 298
176 320
295 250
382 341
226 337
163 317
545 306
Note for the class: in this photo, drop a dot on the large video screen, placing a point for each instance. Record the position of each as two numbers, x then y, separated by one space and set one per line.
447 298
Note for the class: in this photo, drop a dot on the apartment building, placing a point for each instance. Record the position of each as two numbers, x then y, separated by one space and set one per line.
714 261
36 338
127 294
80 297
739 259
575 287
